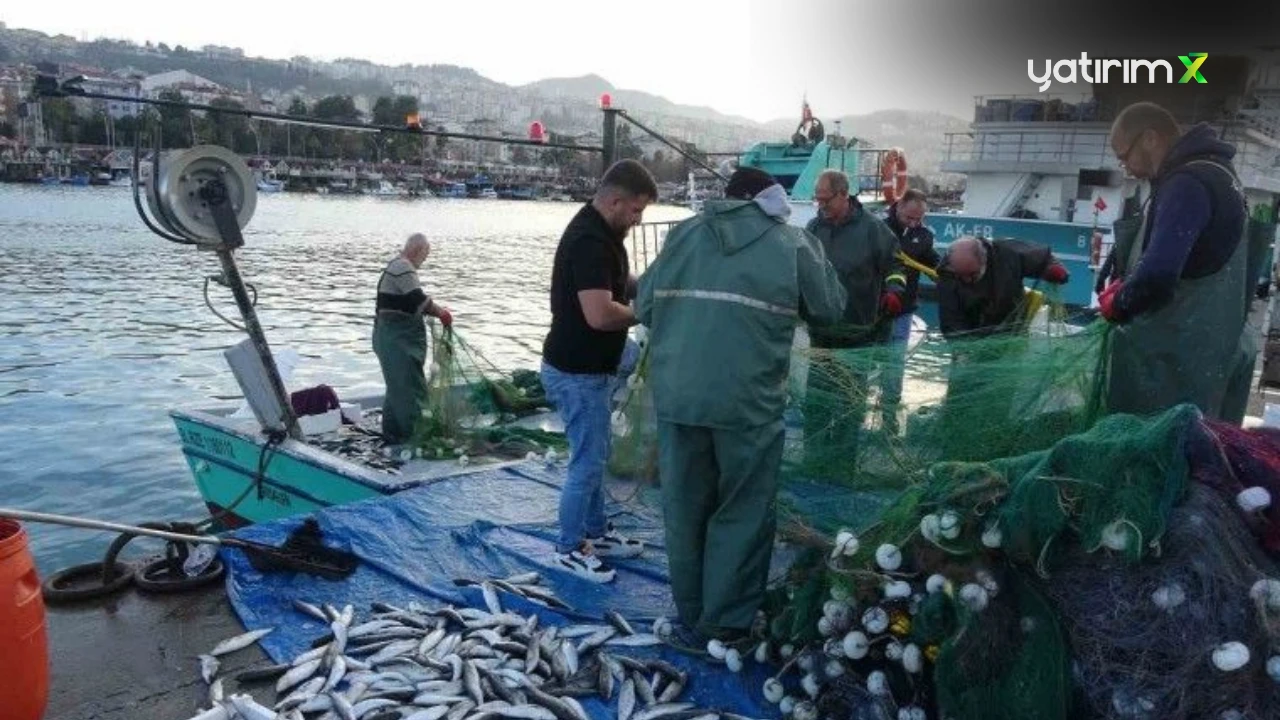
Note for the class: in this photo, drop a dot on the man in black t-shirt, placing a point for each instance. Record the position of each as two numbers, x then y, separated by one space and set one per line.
591 288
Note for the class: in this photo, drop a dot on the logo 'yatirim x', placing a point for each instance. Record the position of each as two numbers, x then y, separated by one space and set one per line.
1193 67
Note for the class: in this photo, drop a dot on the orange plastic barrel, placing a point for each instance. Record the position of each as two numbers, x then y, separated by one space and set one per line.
24 646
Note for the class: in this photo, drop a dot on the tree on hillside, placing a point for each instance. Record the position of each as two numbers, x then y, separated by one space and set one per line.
227 129
176 125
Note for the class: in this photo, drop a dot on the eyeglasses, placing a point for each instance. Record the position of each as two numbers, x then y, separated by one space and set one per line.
1124 156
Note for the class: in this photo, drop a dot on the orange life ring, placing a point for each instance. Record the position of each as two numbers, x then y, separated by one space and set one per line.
893 175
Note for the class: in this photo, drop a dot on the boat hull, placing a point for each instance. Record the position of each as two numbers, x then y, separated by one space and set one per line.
297 478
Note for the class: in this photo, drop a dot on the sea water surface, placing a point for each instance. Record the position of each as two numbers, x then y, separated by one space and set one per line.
104 329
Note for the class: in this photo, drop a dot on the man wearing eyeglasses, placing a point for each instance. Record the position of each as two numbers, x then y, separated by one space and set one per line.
863 251
1178 289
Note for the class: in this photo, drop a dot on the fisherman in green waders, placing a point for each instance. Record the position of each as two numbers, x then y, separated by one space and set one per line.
1180 283
721 303
400 338
864 252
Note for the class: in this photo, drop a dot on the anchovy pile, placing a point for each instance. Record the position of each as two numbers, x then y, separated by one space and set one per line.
451 663
361 444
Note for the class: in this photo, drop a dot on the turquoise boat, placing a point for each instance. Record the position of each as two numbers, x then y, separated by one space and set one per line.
245 478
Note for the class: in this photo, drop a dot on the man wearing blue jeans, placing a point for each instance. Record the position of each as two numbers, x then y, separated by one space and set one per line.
591 288
915 240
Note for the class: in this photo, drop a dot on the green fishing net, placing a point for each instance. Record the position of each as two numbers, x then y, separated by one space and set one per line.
473 408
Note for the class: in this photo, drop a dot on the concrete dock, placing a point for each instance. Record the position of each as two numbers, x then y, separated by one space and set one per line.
134 656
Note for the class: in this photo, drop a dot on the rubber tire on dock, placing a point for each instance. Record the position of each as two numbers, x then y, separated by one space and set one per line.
55 590
152 577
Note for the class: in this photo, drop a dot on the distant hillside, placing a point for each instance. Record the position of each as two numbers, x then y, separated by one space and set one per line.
453 94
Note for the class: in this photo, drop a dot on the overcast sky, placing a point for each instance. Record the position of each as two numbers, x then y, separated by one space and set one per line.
754 58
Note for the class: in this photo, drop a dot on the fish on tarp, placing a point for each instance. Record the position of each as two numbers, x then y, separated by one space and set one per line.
239 642
208 668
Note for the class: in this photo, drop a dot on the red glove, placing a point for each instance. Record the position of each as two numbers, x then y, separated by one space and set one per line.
446 317
1107 299
891 304
1056 274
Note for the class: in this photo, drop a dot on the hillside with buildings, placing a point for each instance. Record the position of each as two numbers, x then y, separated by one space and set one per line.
447 96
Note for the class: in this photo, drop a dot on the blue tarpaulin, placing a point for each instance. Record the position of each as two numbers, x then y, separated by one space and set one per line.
489 523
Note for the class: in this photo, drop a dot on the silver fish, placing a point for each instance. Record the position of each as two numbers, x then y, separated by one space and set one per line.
297 675
312 654
595 640
248 709
239 642
431 698
580 631
455 663
369 628
317 703
354 664
489 636
339 636
529 578
471 681
429 642
657 711
208 668
441 687
604 681
638 640
527 712
626 699
343 706
460 710
331 612
708 716
491 598
307 608
615 619
570 657
672 690
301 694
576 707
644 691
364 707
336 671
399 647
434 713
532 656
559 664
216 696
348 615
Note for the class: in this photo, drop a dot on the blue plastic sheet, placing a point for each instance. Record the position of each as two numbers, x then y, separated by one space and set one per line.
492 523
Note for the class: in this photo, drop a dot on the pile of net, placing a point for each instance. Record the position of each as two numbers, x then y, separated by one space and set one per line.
473 408
989 543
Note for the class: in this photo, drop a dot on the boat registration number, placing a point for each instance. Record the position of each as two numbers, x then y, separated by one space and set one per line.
209 443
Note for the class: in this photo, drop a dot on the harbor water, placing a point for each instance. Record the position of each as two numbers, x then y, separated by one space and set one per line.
104 329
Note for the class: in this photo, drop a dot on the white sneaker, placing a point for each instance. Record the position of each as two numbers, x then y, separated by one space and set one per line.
614 544
584 563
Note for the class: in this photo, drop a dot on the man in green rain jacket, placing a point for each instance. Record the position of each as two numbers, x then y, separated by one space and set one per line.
1180 287
863 250
400 338
722 302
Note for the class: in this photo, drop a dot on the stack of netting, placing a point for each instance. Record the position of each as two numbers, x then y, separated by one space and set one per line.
471 407
993 545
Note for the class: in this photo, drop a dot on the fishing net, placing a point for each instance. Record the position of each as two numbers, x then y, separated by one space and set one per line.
987 542
473 408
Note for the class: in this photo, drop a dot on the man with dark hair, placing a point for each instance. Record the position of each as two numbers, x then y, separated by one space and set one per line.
739 273
400 339
591 288
915 240
1178 286
980 285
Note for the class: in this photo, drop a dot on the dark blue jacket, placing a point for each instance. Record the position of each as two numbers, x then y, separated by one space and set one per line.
1197 217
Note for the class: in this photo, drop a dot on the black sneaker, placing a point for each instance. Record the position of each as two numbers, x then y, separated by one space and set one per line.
584 563
616 545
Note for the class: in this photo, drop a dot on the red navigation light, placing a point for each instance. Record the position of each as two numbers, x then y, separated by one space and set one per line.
606 101
537 132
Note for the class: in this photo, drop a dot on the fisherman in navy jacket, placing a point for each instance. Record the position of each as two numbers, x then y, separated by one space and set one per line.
1176 285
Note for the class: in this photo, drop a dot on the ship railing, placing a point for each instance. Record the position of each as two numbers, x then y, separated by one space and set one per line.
1085 149
646 240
